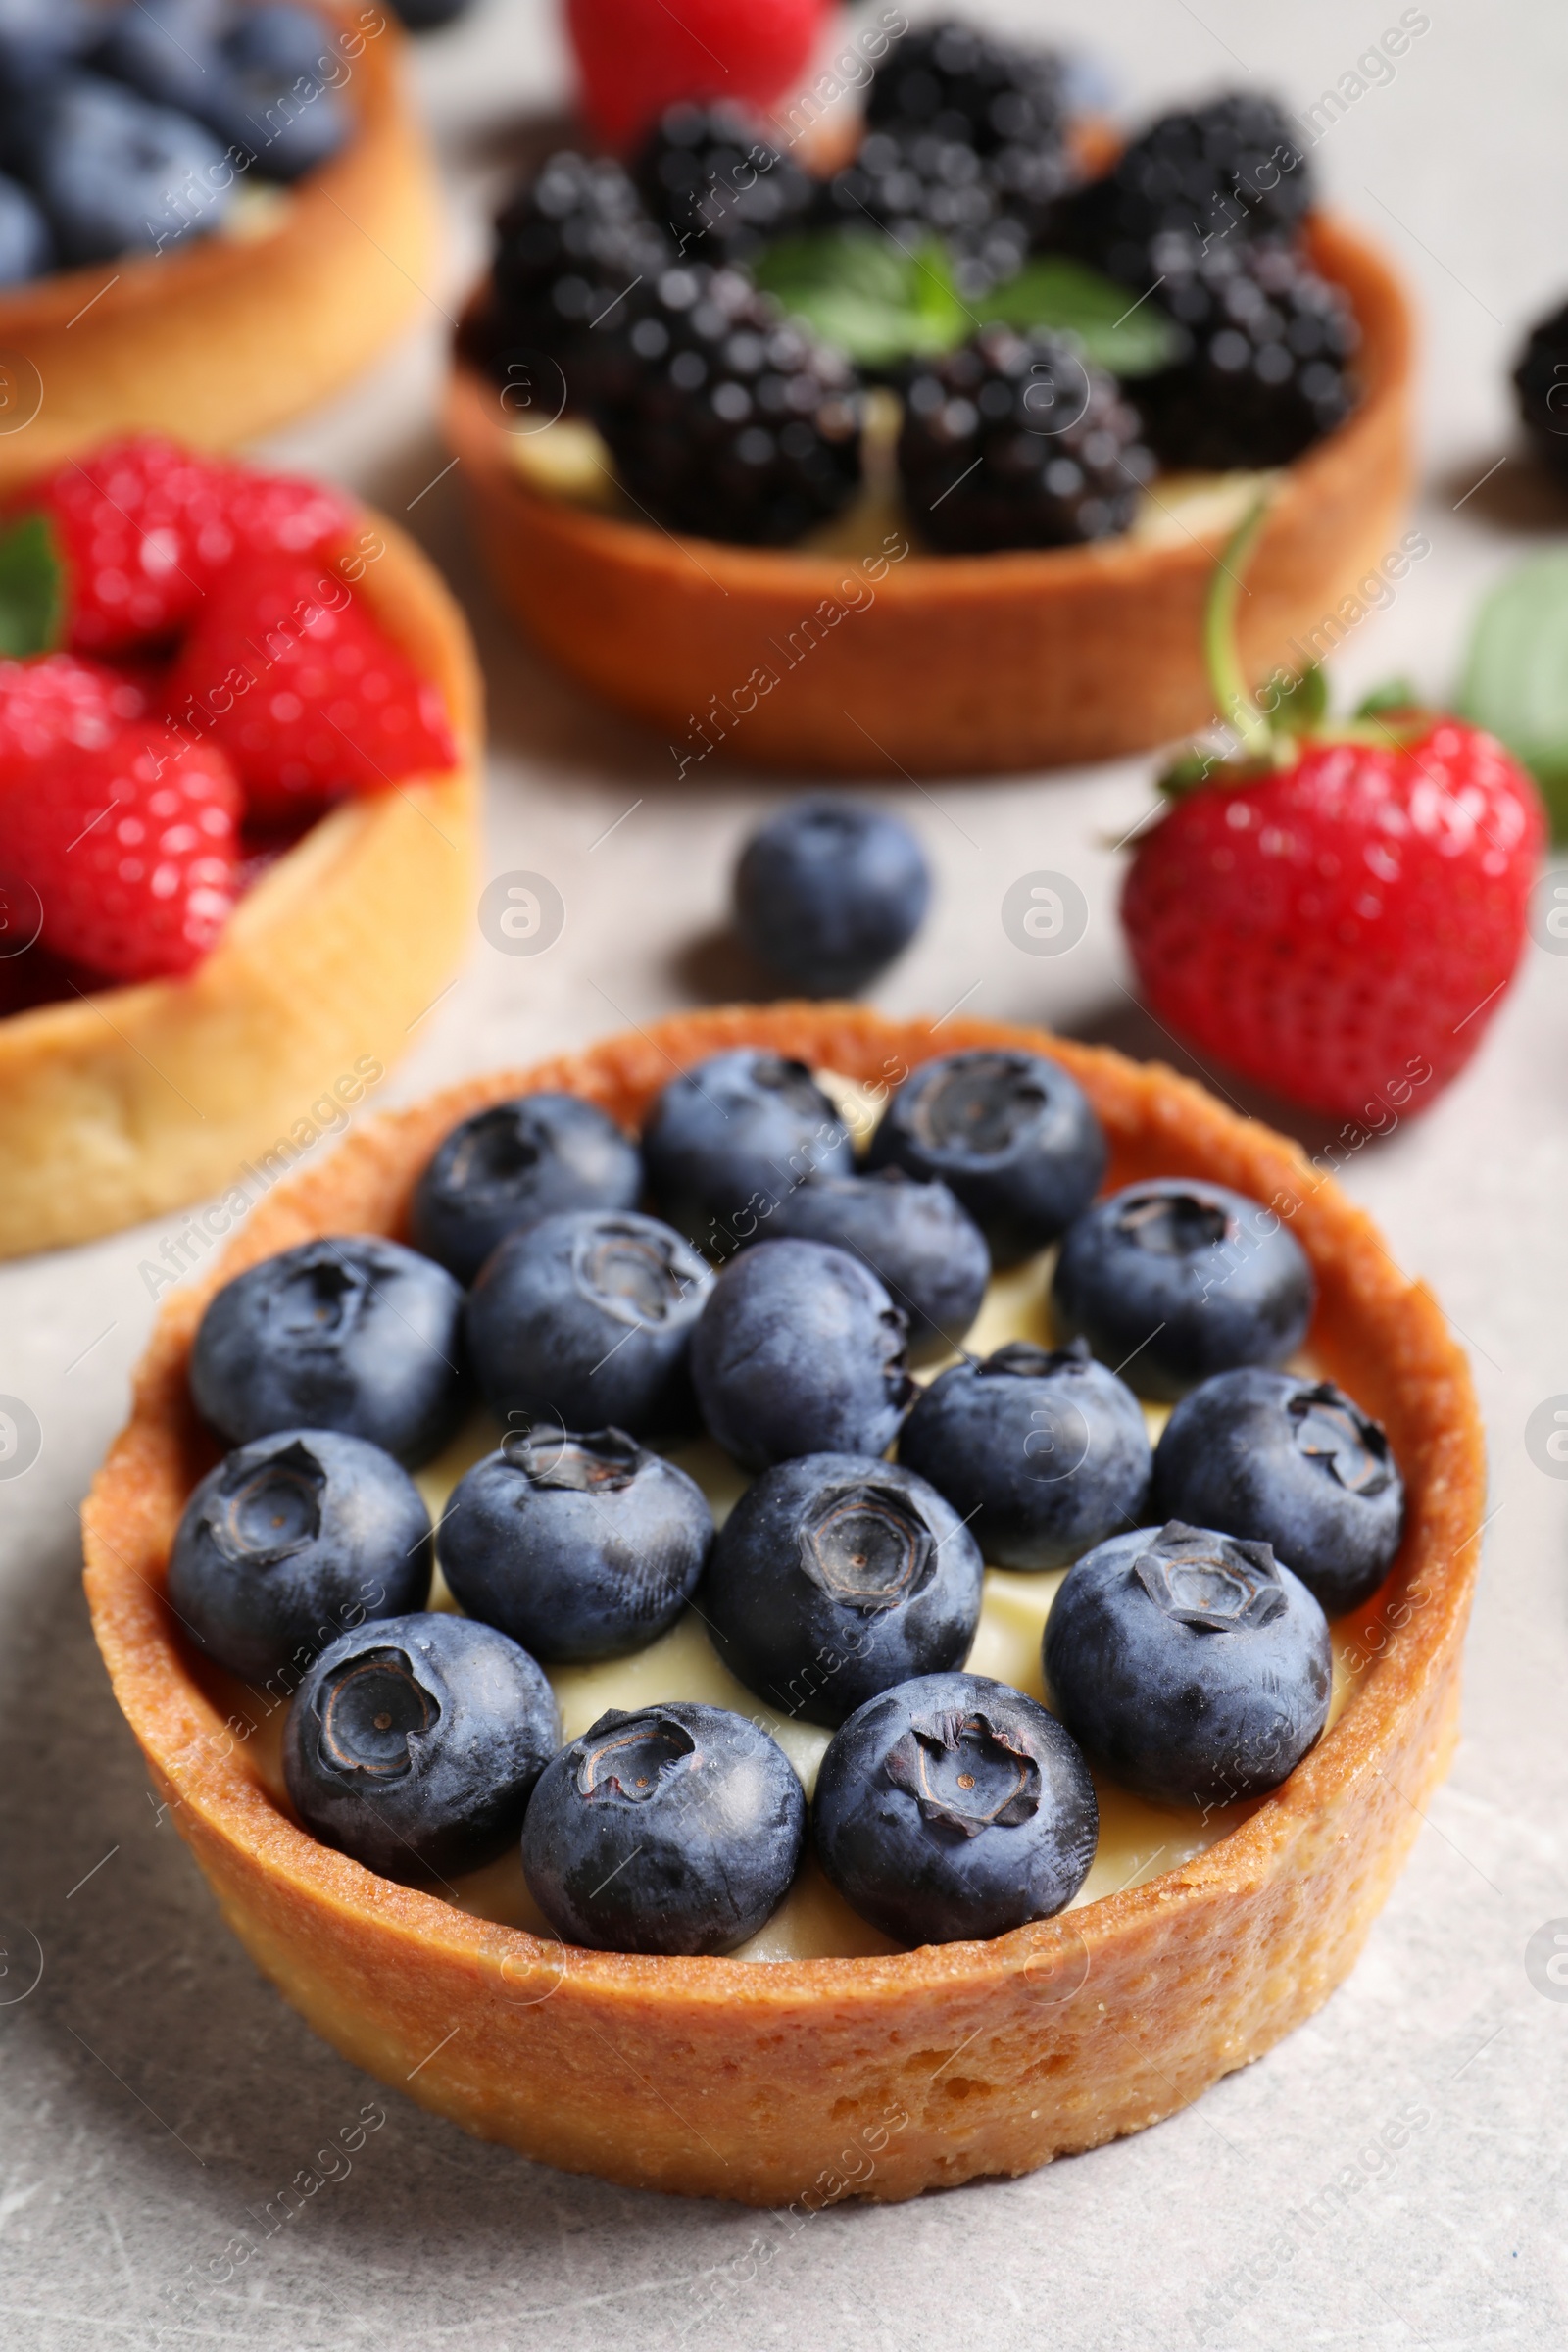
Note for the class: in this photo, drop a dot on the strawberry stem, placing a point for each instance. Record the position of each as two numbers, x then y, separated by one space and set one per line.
1221 650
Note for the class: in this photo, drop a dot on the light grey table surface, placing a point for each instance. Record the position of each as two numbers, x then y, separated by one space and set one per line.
153 2093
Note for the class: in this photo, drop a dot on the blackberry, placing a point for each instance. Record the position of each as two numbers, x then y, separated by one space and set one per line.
1541 380
967 87
915 186
734 424
1226 172
723 191
1267 371
1015 442
575 255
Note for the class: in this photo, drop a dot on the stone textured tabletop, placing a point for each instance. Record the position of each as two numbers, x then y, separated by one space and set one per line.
1393 2174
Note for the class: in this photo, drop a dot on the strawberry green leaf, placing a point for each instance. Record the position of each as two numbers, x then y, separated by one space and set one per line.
1395 694
1300 704
1113 328
1517 675
31 589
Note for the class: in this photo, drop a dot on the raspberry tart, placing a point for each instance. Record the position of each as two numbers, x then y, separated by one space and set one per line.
212 217
926 460
237 828
864 1849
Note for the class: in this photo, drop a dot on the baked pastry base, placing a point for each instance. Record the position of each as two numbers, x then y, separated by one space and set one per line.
226 338
795 2083
942 664
117 1105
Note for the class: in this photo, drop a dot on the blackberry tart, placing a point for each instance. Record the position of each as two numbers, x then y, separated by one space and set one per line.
1069 1994
978 403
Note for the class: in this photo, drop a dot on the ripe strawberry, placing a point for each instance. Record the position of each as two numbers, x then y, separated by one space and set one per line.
636 57
135 856
286 671
1323 926
144 526
1333 910
50 705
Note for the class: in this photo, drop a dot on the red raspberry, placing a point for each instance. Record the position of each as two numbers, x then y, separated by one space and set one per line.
288 672
144 526
134 855
1335 924
636 57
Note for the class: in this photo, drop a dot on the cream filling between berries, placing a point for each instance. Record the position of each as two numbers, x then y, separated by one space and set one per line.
1138 1841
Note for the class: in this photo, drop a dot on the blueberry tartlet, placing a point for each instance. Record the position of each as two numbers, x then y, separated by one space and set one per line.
213 214
798 1762
976 401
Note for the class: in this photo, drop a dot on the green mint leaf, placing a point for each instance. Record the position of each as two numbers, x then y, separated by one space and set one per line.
31 589
1112 327
1517 675
858 289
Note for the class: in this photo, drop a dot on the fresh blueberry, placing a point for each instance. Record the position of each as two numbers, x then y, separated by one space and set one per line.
1043 1456
279 38
41 38
514 1164
350 1332
583 1321
726 1141
1175 1279
916 1238
1292 1463
678 1829
167 51
282 118
577 1546
828 893
27 249
293 1540
799 1350
836 1576
414 1745
954 1808
1011 1133
1192 1667
115 175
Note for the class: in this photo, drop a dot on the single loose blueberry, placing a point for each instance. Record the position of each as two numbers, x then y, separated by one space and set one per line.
726 1141
413 1745
836 1576
828 893
1011 1133
954 1808
509 1166
577 1546
293 1540
917 1239
118 175
1175 1279
583 1321
27 249
1192 1667
350 1332
799 1350
676 1829
1295 1464
1043 1456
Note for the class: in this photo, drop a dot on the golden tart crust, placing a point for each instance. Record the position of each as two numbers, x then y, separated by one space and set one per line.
117 1105
230 336
961 664
763 2082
